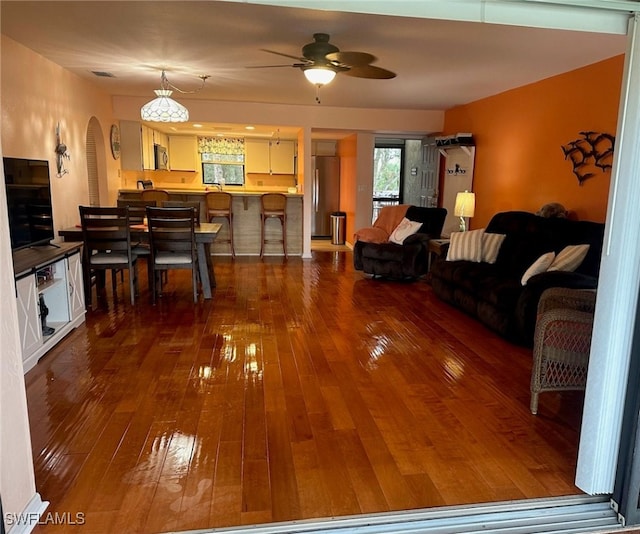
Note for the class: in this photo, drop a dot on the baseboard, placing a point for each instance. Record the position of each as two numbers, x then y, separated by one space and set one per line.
27 520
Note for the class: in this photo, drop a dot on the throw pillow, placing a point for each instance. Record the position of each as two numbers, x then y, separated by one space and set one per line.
466 246
404 230
539 266
569 258
491 244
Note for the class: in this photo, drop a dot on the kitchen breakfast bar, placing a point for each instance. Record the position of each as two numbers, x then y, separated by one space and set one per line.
246 220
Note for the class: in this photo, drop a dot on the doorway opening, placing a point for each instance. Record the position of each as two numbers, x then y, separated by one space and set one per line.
388 167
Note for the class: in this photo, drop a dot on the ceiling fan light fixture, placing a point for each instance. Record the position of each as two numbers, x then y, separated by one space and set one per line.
164 108
319 75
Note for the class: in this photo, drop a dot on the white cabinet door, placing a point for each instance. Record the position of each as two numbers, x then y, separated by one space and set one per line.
256 156
28 316
282 157
267 156
131 145
148 153
183 153
76 286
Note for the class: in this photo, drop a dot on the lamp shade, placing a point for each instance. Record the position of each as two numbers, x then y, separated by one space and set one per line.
319 75
164 108
465 204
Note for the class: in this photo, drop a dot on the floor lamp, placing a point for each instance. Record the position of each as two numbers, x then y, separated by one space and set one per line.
465 207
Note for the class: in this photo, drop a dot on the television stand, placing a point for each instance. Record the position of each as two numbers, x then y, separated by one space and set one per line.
50 294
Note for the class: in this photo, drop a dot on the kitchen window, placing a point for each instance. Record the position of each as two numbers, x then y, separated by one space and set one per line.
222 169
222 173
222 160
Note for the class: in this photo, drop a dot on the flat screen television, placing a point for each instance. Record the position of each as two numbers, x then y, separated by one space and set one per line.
28 189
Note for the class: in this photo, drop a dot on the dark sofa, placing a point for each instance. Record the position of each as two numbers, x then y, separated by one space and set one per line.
407 261
494 294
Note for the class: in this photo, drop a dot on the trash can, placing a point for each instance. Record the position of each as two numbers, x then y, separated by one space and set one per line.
338 227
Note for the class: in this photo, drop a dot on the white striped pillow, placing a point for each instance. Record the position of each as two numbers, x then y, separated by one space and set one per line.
541 265
569 258
491 244
466 246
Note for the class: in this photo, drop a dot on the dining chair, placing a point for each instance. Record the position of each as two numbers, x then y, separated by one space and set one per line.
107 246
219 205
159 195
137 214
184 204
273 206
173 244
137 208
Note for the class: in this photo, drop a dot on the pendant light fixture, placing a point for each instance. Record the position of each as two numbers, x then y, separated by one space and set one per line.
164 108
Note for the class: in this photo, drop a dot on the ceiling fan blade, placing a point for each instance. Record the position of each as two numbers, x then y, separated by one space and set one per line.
354 59
369 71
297 65
298 58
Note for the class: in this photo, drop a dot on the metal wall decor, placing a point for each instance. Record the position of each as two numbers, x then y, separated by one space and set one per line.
590 153
457 169
61 154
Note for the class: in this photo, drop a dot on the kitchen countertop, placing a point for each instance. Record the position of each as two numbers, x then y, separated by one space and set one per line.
247 227
233 191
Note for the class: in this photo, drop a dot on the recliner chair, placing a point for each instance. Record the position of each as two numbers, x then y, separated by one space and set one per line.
407 261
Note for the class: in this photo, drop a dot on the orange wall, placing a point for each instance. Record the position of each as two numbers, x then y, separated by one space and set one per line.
519 163
347 150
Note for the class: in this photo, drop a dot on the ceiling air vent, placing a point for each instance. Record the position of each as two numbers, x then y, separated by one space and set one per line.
103 74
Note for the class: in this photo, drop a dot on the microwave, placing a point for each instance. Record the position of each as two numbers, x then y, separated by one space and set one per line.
161 157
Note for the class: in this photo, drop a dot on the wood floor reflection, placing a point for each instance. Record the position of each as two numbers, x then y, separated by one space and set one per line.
302 390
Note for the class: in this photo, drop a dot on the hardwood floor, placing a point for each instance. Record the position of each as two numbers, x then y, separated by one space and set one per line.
302 390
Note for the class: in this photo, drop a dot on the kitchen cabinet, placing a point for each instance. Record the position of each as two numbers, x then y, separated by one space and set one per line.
183 153
49 292
256 155
131 145
148 154
269 157
282 157
136 145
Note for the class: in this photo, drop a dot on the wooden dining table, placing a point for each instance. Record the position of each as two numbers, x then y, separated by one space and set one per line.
205 234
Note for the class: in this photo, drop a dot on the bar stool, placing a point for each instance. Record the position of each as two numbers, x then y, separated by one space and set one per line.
159 195
273 206
219 205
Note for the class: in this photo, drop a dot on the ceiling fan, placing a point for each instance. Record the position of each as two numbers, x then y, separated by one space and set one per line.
321 61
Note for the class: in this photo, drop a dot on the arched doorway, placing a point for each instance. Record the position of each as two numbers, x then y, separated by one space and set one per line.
96 163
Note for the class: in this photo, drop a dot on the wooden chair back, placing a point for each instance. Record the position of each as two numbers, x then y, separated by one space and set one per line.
218 202
172 240
184 204
137 208
159 195
274 203
107 244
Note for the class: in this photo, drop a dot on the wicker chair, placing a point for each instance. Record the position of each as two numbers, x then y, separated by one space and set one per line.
562 341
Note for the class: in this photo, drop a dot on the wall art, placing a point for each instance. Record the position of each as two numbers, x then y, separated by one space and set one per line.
590 154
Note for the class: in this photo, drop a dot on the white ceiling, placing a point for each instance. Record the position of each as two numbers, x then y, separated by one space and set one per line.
439 64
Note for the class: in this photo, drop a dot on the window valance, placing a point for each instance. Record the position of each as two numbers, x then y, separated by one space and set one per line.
221 145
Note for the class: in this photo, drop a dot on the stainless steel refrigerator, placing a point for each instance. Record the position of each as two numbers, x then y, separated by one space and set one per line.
325 194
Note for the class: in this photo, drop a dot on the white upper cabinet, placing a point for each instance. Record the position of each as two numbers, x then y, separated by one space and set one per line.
183 153
283 157
256 155
136 145
131 145
148 153
267 156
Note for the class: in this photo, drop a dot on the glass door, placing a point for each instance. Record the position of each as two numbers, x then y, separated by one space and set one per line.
387 177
